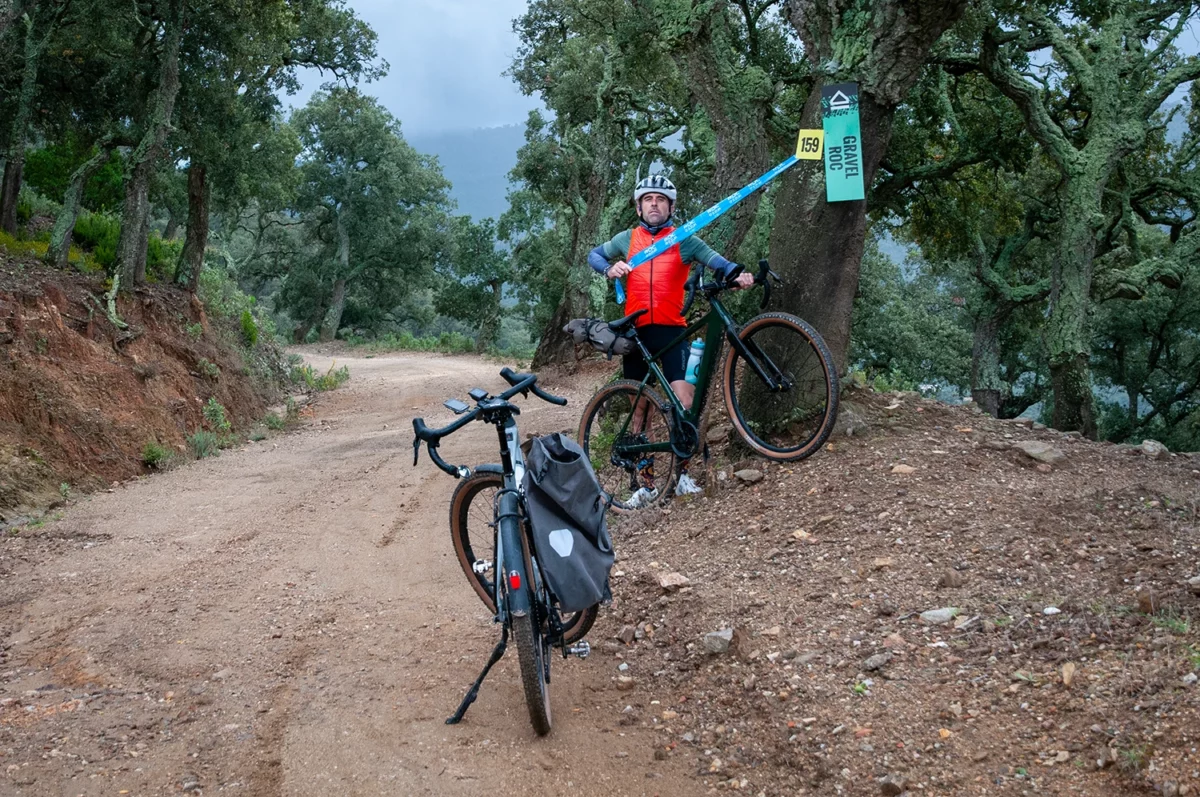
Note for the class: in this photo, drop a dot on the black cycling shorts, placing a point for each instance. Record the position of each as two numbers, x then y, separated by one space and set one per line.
673 362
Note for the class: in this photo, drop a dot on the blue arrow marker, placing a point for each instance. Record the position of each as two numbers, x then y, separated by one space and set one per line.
700 222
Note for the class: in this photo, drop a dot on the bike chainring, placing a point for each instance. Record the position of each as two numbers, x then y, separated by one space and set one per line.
686 438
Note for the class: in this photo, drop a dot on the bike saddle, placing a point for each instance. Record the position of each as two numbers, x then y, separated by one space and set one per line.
626 323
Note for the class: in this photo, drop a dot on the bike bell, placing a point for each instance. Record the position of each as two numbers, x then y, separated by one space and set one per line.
693 365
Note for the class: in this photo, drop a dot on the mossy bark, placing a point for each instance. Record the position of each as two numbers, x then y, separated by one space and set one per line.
489 325
987 386
64 226
191 259
14 164
337 300
817 246
135 214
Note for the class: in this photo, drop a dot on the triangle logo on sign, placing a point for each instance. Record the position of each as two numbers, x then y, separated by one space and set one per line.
562 541
839 101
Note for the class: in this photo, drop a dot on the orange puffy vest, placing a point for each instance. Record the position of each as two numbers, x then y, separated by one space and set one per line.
658 284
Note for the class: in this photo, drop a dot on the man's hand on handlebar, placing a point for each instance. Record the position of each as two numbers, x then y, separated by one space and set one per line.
742 281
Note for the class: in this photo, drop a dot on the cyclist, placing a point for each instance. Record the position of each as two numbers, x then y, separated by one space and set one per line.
658 286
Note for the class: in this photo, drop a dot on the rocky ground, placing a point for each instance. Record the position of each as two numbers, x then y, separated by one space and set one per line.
937 603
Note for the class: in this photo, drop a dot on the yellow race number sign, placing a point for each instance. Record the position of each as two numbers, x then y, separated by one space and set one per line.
808 146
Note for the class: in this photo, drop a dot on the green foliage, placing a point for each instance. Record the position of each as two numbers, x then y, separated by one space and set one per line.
908 332
274 422
330 380
49 170
161 257
98 233
203 443
215 417
221 295
249 329
374 212
195 331
155 455
446 343
208 369
473 284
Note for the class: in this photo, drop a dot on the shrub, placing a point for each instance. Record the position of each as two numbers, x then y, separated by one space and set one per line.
333 378
98 233
214 415
274 422
249 329
208 369
447 343
195 331
155 455
161 257
203 444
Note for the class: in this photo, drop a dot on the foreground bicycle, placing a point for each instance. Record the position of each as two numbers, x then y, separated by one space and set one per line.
780 385
492 538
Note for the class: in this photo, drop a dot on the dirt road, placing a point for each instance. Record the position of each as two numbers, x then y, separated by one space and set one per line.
289 618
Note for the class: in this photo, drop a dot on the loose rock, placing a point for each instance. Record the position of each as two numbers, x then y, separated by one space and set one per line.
904 469
878 661
1154 449
672 581
748 476
718 641
939 616
1042 452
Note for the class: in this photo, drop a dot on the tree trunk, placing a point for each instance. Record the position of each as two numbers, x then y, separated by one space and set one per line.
736 99
1067 335
489 328
986 384
135 215
191 260
337 303
817 246
333 318
172 227
64 226
556 345
14 165
300 333
10 188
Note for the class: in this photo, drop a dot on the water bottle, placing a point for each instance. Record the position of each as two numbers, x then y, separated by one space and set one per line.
693 365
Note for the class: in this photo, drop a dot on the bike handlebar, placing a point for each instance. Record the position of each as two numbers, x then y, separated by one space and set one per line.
521 383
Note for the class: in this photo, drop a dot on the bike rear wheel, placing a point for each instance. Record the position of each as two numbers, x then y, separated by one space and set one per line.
610 434
473 533
792 422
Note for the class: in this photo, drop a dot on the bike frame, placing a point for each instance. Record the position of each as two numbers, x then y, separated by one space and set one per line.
511 543
719 324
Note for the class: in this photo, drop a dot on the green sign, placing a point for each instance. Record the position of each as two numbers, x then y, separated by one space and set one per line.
843 142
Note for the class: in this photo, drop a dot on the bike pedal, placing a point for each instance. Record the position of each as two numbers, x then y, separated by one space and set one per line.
481 566
580 649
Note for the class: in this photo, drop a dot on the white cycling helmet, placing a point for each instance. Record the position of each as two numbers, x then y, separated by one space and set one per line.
654 184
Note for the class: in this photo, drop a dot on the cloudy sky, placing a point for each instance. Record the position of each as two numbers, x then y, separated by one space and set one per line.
446 60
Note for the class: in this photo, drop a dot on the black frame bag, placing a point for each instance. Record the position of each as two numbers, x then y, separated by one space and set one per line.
567 513
599 335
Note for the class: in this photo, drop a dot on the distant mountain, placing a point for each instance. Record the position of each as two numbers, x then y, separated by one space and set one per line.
477 163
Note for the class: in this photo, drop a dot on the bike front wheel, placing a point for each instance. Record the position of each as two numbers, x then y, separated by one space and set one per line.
790 413
473 534
533 652
626 433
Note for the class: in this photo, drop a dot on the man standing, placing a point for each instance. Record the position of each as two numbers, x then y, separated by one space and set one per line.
658 286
